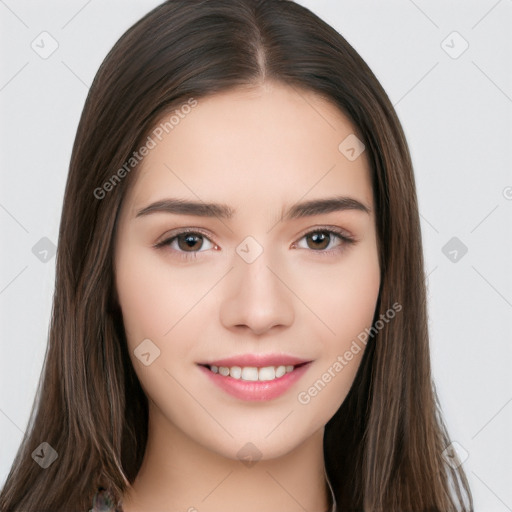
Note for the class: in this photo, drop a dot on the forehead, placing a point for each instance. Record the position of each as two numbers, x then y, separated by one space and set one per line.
251 147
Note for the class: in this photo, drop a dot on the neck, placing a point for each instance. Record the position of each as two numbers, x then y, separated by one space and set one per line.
179 474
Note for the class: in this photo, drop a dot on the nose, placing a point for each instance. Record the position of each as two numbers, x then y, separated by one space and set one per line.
257 297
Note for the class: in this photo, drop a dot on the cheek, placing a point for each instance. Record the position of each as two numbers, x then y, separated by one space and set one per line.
353 305
154 301
343 296
153 297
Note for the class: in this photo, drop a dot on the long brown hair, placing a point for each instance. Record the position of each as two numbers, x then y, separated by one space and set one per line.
383 447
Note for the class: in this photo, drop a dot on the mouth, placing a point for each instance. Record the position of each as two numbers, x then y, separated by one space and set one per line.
255 381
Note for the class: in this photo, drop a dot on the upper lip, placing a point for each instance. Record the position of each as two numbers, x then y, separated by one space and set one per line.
259 360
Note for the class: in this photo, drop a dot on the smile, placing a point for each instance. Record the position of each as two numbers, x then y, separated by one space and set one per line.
255 383
253 373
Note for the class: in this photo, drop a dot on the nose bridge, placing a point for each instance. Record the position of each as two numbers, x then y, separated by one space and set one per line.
257 281
256 296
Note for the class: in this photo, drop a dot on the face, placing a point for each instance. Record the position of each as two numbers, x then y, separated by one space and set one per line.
257 282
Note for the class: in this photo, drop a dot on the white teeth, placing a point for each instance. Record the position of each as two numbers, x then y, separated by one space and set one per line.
280 371
235 372
267 373
249 373
252 373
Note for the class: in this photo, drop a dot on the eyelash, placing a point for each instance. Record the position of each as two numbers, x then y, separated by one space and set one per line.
188 256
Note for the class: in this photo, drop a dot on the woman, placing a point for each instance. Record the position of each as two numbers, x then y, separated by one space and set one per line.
284 365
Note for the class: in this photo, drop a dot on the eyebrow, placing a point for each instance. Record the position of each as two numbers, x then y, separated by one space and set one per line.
202 209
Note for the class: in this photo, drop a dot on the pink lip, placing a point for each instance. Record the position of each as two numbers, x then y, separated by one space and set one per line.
256 390
259 360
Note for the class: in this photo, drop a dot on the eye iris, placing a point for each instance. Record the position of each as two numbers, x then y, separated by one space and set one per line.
189 241
321 237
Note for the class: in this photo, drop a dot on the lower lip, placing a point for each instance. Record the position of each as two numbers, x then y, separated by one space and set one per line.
256 390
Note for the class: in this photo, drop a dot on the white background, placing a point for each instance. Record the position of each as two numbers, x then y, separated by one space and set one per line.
457 116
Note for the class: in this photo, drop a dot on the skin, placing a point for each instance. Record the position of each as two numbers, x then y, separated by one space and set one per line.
260 150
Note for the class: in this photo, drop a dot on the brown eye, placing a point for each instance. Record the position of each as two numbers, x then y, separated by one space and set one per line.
320 239
189 241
